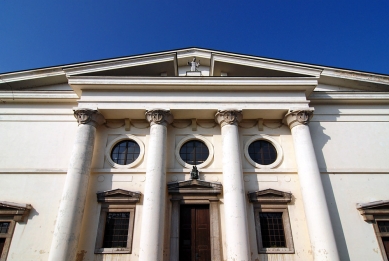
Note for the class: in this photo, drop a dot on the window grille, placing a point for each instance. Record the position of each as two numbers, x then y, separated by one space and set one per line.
272 230
116 229
4 227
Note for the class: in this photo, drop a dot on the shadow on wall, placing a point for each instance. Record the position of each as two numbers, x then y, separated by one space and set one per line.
320 139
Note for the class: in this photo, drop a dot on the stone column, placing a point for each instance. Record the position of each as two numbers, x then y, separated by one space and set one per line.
237 243
316 211
153 213
71 209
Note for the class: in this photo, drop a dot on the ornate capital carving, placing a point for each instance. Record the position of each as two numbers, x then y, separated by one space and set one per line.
88 116
159 116
228 117
298 117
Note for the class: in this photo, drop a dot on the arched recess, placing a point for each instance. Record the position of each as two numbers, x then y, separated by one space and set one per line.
195 192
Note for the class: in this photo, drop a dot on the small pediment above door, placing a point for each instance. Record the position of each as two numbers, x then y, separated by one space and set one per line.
118 196
269 196
194 186
19 211
370 211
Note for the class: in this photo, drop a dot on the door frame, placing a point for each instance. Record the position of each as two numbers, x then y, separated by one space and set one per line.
195 192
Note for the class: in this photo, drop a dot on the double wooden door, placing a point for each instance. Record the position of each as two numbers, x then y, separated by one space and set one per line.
195 233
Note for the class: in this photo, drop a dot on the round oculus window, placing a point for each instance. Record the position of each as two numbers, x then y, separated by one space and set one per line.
194 152
262 152
125 152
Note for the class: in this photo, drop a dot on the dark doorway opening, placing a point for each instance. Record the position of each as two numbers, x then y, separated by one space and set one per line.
195 243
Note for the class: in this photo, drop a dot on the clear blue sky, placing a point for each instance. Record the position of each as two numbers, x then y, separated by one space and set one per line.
346 34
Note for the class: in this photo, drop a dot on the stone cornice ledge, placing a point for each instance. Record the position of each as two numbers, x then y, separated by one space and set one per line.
185 171
377 97
193 81
38 96
306 84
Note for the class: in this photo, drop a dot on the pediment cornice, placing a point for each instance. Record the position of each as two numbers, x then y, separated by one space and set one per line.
325 74
194 186
112 65
270 65
118 196
373 210
269 196
19 211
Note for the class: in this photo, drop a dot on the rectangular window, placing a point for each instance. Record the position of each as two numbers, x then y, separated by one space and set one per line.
274 234
383 233
116 222
116 229
2 243
4 227
272 230
383 226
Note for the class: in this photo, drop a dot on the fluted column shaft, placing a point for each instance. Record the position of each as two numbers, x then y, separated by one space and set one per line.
318 218
237 243
68 226
153 216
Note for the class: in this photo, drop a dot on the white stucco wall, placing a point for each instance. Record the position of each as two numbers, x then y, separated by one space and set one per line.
350 144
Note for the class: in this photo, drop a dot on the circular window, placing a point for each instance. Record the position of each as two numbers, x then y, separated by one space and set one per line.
263 152
125 152
194 150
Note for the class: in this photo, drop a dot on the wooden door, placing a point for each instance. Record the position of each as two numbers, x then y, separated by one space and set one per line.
194 233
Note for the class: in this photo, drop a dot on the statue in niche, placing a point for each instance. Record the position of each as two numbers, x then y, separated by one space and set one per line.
194 174
194 65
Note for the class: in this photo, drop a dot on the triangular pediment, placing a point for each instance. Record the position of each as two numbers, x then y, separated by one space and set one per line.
174 63
210 63
269 196
194 186
118 196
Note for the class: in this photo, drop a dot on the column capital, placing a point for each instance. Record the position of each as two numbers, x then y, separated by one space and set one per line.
300 116
159 116
88 116
228 117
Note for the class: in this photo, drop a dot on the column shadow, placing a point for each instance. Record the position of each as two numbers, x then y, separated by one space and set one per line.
320 139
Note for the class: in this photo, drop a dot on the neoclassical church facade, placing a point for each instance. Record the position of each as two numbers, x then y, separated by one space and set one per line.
194 154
